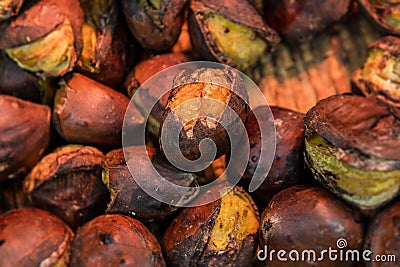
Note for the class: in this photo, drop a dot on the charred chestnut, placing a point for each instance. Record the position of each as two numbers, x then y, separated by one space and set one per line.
219 32
107 51
117 240
197 105
46 37
88 112
127 196
155 24
68 183
24 135
221 233
380 74
301 20
352 147
306 218
33 237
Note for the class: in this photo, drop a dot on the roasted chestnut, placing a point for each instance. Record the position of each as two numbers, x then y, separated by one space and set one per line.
46 37
301 20
155 24
33 237
24 135
68 183
220 32
380 74
197 104
385 13
87 112
221 233
352 147
115 240
305 222
288 166
126 194
107 52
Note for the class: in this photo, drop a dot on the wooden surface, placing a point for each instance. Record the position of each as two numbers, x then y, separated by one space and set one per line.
296 76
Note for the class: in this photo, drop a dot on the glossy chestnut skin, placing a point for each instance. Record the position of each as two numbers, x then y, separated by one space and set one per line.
67 182
382 237
288 167
127 196
301 20
306 217
88 112
154 24
221 233
33 237
116 240
23 137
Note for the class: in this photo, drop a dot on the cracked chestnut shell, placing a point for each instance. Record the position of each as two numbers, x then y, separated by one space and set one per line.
288 165
383 234
219 32
380 74
117 240
88 112
308 218
45 37
384 13
107 52
67 182
301 20
221 233
155 24
24 135
197 105
33 237
127 196
352 147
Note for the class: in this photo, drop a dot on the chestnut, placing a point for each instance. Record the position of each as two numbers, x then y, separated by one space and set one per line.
384 13
379 77
155 24
198 103
220 32
301 20
288 167
115 240
382 237
308 218
107 53
9 9
128 197
24 135
88 112
67 182
221 233
33 237
352 147
45 37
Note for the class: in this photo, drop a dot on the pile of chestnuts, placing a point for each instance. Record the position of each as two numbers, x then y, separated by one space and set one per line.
69 74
